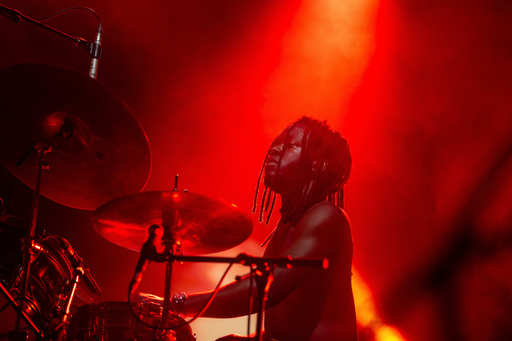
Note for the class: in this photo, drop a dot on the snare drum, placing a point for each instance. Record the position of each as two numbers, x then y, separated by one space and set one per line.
114 321
50 275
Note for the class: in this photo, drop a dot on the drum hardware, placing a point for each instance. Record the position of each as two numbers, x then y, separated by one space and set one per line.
94 49
81 272
99 151
188 223
262 269
200 224
30 248
49 282
61 329
115 321
145 255
29 244
19 334
78 263
191 224
96 148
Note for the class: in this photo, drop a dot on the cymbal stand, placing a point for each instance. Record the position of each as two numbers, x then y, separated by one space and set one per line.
29 244
172 248
63 325
166 335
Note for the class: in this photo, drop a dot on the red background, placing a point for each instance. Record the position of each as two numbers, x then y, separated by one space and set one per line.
421 90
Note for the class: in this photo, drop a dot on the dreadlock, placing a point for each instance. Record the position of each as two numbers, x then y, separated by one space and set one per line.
323 169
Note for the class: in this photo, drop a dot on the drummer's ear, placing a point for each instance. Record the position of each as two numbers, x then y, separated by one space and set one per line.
318 166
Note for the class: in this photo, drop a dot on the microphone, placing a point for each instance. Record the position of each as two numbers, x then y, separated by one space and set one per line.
145 256
77 262
95 52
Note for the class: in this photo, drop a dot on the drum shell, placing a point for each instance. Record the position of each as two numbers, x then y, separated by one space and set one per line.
50 274
115 321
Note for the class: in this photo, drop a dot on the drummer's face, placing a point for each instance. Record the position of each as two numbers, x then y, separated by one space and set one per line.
283 159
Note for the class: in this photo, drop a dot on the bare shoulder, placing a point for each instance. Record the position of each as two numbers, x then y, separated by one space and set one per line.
325 215
328 228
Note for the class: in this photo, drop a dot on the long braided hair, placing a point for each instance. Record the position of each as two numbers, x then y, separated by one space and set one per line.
323 169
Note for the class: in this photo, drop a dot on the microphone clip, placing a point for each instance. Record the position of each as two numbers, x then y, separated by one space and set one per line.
95 50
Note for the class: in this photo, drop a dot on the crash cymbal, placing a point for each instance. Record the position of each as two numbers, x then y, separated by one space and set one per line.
201 224
98 149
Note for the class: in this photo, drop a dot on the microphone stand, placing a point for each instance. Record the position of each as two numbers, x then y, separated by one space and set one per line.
265 274
63 325
17 17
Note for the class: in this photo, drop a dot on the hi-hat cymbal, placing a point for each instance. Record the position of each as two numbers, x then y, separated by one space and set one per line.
98 149
201 224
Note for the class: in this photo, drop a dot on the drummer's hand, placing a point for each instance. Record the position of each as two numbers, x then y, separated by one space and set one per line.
234 337
178 304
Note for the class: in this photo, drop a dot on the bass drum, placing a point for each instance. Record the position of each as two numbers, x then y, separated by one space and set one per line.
50 274
114 321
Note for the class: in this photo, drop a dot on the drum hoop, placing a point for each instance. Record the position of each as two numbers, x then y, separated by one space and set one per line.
95 315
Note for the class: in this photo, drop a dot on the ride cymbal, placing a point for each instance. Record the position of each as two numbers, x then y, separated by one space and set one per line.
98 149
200 224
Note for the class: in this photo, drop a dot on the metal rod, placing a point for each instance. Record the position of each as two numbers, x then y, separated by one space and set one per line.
167 300
62 334
28 244
245 259
19 311
263 282
17 16
176 182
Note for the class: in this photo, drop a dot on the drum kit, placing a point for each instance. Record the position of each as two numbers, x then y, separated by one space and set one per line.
63 126
66 128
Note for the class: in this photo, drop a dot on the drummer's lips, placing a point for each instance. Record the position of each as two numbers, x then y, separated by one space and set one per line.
272 161
271 167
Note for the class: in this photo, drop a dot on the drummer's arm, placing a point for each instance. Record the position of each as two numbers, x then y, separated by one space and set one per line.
232 300
321 233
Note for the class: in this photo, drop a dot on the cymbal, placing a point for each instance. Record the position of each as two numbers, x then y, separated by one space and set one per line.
201 224
99 151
